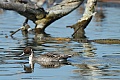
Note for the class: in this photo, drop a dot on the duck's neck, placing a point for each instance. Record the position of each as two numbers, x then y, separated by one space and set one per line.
31 58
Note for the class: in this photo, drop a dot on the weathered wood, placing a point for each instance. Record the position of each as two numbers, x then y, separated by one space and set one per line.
30 11
85 20
38 15
56 12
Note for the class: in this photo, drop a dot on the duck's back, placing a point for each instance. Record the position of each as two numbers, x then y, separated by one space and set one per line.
52 57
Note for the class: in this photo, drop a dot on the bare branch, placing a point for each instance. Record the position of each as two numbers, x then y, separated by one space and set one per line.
56 12
87 16
30 11
38 15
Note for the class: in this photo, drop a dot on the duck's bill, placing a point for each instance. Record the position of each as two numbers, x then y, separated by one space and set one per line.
22 54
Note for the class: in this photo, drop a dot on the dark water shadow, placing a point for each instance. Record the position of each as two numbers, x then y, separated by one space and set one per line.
29 68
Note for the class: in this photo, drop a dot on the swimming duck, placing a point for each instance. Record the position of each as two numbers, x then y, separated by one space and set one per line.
48 57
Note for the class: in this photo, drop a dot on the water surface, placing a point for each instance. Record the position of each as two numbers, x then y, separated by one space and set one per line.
93 61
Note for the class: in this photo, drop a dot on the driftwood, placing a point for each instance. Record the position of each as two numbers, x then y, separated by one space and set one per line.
56 12
25 28
30 11
85 20
42 18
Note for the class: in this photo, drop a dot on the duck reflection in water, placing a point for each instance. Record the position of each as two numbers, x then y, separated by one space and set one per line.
29 68
48 60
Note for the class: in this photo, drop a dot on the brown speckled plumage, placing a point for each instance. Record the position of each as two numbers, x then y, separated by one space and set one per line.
47 56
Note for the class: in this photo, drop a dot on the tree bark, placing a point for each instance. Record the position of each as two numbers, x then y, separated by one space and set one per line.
56 12
42 18
85 20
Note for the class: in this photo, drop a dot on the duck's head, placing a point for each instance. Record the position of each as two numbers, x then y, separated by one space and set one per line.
27 51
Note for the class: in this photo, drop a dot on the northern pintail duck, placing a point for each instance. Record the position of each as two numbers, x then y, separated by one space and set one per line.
48 57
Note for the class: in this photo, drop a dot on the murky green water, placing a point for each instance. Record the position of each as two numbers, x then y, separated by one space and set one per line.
93 61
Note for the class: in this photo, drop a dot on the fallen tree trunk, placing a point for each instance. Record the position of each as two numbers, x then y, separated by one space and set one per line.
42 18
30 11
56 12
85 20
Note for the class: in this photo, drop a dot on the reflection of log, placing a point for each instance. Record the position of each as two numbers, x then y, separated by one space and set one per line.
83 40
101 41
87 16
107 41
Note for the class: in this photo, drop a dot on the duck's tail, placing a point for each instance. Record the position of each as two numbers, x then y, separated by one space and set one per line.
65 57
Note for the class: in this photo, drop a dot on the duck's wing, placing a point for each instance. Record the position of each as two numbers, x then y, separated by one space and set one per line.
65 56
52 55
27 10
58 56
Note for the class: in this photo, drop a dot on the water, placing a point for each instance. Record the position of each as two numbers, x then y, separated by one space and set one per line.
93 61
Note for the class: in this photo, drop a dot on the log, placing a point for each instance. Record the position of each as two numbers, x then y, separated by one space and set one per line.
42 18
85 20
56 12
